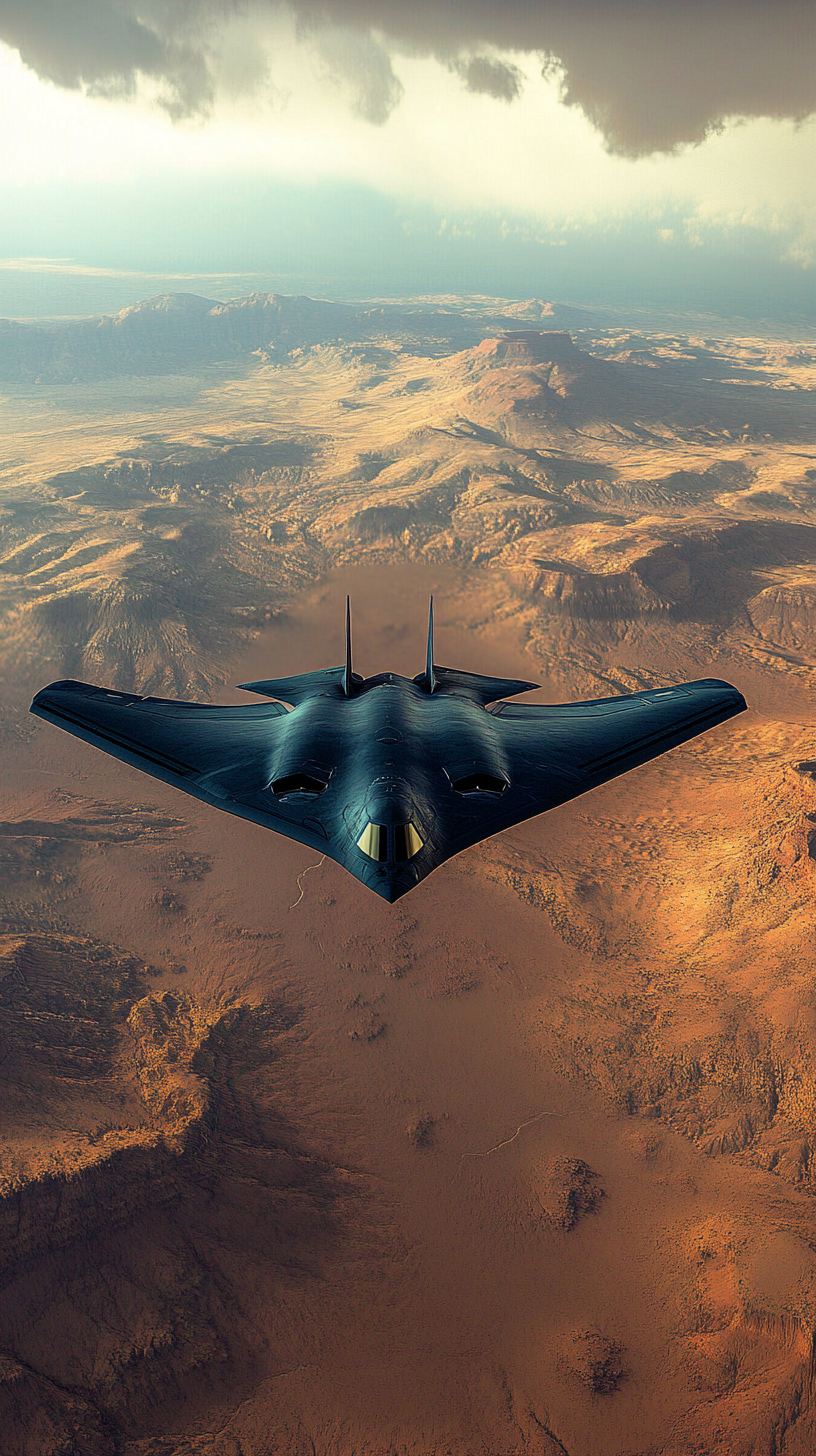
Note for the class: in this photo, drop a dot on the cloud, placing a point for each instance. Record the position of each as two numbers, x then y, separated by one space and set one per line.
104 47
652 75
653 78
360 67
489 77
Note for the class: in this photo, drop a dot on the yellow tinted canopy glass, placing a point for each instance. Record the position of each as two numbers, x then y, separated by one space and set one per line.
407 842
374 842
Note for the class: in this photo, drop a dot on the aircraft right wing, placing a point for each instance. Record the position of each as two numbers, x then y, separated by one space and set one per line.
573 747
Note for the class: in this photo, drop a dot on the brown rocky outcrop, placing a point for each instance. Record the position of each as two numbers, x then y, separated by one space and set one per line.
592 1359
531 376
786 614
41 1419
570 1191
101 1096
594 596
126 1113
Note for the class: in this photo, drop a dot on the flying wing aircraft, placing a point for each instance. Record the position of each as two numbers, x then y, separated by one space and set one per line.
387 775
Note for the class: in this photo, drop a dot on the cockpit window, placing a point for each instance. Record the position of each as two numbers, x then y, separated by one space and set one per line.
407 842
374 841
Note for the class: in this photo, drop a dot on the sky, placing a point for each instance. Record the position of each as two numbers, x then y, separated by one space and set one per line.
642 151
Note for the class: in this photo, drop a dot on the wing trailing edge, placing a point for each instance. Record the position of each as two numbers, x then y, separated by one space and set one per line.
304 685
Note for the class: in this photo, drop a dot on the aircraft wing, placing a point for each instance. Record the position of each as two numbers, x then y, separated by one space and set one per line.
223 755
557 753
239 759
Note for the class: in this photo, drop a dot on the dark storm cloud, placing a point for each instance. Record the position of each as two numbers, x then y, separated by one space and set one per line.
490 78
83 40
104 46
652 75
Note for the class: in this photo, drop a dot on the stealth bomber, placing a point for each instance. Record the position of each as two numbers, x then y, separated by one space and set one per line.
387 775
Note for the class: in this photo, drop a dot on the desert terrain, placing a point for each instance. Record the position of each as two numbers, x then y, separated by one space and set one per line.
526 1162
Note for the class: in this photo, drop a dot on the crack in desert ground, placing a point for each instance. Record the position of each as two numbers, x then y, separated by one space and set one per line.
507 1141
315 866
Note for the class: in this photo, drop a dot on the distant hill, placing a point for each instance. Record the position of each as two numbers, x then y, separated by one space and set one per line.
177 332
535 375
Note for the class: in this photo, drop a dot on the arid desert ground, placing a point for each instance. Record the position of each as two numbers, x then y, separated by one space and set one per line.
525 1163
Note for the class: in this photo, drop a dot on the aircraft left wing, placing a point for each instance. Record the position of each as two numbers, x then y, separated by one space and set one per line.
223 755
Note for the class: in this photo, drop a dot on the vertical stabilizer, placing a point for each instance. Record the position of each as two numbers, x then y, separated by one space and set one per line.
430 679
348 681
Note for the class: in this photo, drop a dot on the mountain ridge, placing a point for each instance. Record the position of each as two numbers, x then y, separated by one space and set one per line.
175 331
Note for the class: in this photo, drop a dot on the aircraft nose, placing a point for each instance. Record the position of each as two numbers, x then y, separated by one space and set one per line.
390 886
390 839
391 881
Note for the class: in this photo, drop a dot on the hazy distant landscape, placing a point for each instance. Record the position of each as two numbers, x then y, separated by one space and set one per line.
525 1162
252 446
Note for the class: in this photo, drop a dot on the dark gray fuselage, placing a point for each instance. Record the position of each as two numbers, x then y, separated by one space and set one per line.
389 776
390 756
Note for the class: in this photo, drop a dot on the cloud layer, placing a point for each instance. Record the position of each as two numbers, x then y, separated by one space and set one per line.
651 76
104 46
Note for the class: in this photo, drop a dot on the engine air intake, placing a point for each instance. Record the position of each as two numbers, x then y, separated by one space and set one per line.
480 783
297 783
